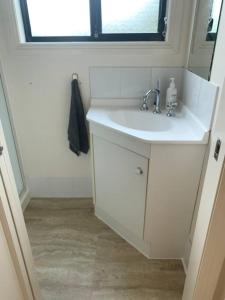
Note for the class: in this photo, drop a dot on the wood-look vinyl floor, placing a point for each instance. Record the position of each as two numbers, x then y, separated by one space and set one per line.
77 257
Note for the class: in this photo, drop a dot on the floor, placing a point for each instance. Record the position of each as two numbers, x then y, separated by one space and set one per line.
78 257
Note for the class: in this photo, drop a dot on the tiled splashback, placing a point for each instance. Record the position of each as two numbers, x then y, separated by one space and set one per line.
200 97
196 93
131 82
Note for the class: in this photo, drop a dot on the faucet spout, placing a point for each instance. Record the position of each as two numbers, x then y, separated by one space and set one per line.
157 109
156 91
157 103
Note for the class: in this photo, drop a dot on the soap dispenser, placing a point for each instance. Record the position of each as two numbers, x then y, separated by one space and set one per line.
171 95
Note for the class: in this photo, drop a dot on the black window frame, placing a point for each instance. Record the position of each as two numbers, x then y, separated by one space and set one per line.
96 28
211 36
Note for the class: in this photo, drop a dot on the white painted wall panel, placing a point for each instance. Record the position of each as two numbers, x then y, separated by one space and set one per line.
174 175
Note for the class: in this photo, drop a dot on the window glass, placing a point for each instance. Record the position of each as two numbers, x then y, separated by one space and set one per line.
59 18
93 20
130 16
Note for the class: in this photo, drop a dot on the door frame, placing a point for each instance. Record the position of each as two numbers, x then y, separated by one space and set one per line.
12 240
12 218
214 251
207 202
24 194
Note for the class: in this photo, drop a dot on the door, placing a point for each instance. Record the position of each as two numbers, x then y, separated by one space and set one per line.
13 224
10 140
120 182
219 293
14 283
9 283
211 277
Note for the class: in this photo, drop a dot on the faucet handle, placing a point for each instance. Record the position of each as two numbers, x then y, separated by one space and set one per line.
156 110
171 108
172 104
144 104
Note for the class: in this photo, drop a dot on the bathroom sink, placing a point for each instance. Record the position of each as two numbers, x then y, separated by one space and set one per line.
146 126
139 120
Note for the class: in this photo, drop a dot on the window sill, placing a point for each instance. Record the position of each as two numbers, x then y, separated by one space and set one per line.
94 45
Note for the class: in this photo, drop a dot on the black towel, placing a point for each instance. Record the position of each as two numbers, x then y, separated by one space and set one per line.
77 130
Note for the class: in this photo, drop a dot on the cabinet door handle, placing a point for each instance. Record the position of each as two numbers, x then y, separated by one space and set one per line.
139 171
1 150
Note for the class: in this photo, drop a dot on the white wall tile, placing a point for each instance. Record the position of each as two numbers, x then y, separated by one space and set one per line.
120 82
206 103
191 90
199 96
135 82
196 93
164 74
105 82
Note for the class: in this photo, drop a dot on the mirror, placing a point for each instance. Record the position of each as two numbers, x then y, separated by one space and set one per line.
204 37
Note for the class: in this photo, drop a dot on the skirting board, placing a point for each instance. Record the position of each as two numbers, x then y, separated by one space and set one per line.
25 199
58 187
187 252
184 266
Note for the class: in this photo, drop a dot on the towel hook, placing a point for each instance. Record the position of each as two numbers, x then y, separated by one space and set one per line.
75 76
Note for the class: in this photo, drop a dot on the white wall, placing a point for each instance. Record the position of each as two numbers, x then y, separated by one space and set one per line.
39 77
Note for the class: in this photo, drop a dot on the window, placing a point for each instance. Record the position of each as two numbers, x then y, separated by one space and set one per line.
93 20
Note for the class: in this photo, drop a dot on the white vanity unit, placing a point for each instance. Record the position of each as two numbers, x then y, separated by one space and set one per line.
146 173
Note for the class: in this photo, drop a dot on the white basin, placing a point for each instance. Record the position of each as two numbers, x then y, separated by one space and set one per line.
137 120
146 126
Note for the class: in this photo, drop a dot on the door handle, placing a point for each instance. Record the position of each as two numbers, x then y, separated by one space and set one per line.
217 149
139 171
1 150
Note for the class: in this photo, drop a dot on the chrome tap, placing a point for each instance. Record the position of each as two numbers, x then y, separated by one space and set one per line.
171 109
157 109
144 106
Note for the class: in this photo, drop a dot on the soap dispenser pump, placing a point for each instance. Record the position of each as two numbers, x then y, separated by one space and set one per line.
171 95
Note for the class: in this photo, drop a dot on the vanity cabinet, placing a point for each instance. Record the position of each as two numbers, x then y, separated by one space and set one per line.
120 185
146 192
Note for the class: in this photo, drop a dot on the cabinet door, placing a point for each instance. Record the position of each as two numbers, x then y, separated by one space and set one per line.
120 184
